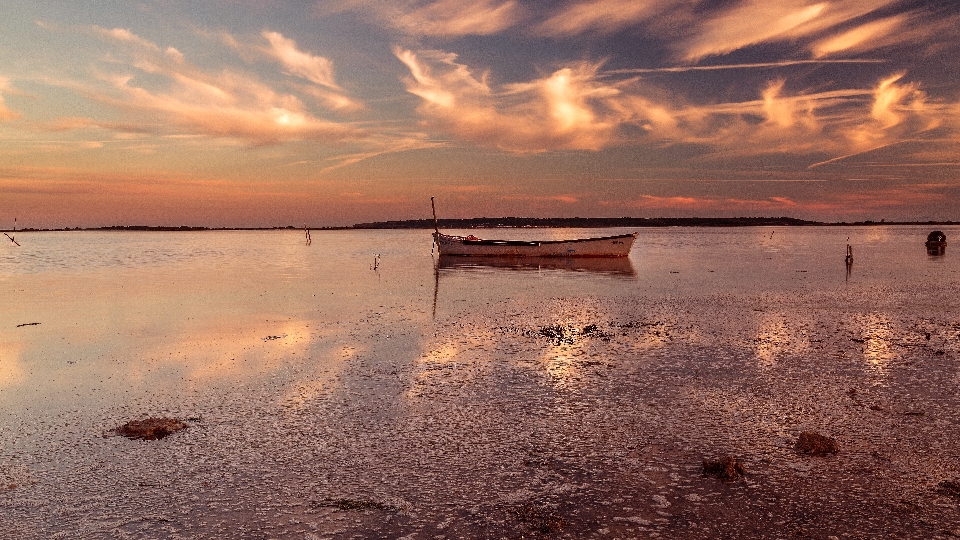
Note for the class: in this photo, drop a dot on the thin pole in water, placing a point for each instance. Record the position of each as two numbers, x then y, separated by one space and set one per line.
14 233
436 224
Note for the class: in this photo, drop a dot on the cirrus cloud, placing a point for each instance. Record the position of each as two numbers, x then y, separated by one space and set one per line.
600 16
6 114
559 111
759 21
314 68
227 103
578 108
437 18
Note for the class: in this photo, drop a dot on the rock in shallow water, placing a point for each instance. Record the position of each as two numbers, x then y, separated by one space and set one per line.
726 468
811 442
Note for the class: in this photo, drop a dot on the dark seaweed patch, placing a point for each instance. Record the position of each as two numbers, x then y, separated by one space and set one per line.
150 429
727 468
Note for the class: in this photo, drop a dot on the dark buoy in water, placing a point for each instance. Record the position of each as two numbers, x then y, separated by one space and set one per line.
936 243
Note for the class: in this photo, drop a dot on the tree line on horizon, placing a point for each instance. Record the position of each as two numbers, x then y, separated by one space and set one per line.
519 222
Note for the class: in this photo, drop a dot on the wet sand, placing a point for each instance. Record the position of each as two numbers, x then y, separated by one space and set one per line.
578 417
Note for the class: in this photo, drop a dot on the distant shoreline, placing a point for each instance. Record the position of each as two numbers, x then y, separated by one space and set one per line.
514 222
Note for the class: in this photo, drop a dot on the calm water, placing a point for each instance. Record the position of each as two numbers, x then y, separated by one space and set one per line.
122 312
360 349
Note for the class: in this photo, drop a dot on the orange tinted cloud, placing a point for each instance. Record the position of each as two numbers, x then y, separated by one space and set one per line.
860 202
576 107
898 112
760 21
712 204
6 114
313 68
861 38
889 97
443 18
222 104
568 199
560 111
599 16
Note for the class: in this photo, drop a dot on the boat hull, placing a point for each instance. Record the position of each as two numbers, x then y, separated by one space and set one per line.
608 246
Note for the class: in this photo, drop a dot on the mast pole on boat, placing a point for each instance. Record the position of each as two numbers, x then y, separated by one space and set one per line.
436 225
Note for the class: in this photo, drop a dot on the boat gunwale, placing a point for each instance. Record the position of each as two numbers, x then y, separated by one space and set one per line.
488 242
493 248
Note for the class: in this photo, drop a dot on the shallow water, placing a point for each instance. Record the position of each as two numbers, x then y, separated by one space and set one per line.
361 368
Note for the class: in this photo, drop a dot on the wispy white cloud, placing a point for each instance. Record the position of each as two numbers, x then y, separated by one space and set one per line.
6 114
124 36
754 22
707 204
910 29
898 112
572 108
559 111
321 86
440 18
839 203
601 16
390 145
865 37
227 103
314 68
566 199
754 65
460 17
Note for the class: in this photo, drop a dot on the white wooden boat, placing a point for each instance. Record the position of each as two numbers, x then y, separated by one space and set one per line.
471 246
607 246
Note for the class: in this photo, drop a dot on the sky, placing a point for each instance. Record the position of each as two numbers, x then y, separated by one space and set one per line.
273 113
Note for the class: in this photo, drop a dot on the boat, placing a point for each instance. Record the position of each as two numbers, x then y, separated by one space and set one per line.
471 246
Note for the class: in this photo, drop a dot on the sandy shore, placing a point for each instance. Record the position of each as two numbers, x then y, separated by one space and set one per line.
578 418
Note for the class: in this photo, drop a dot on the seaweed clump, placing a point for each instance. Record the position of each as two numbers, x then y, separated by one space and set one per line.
949 487
150 429
811 442
568 335
727 468
347 505
560 335
539 519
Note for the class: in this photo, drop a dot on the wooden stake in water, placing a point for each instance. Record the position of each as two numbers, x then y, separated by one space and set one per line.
14 233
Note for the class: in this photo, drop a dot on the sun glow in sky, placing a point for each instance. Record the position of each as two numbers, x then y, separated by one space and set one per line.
252 113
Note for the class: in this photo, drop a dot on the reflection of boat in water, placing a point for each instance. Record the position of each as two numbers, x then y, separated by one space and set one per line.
572 268
607 246
618 266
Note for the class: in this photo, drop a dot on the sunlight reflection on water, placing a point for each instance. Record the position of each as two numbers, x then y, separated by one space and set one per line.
876 335
164 307
419 382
